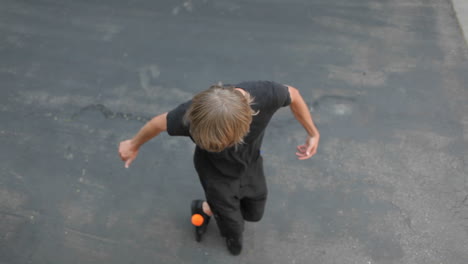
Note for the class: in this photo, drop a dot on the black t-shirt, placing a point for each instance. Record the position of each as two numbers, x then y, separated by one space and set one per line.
268 98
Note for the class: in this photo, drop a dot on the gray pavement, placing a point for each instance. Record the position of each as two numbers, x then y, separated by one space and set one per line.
386 82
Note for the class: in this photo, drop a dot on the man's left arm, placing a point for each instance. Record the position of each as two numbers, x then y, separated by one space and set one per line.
301 113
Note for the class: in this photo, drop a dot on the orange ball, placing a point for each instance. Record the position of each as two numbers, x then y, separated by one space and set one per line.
197 219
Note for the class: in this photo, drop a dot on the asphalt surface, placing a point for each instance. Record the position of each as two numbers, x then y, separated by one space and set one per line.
386 82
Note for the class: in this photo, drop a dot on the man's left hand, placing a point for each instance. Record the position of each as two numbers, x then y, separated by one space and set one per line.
309 149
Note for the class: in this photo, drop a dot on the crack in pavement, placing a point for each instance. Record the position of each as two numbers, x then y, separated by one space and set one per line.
109 114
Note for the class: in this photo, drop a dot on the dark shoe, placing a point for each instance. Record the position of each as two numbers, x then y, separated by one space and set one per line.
197 211
234 245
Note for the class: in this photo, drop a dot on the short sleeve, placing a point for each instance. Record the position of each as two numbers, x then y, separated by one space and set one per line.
176 126
281 94
268 96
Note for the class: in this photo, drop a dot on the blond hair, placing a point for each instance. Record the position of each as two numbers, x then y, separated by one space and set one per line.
219 117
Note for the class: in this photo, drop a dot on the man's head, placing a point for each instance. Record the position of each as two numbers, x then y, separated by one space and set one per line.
219 117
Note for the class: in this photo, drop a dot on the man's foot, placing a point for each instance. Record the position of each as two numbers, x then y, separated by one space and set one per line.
199 219
234 245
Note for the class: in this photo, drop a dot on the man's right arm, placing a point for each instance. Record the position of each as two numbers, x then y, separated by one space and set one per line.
128 149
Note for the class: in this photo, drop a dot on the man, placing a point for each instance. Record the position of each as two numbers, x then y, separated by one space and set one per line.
227 124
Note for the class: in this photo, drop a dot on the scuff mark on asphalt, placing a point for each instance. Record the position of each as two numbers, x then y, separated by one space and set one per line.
334 103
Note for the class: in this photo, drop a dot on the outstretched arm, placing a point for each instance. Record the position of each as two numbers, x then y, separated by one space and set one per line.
301 113
128 149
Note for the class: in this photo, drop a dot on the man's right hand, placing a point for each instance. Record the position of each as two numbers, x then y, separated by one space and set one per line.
128 152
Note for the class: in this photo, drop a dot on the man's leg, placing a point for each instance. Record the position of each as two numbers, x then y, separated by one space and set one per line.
254 193
221 201
207 209
230 223
253 208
